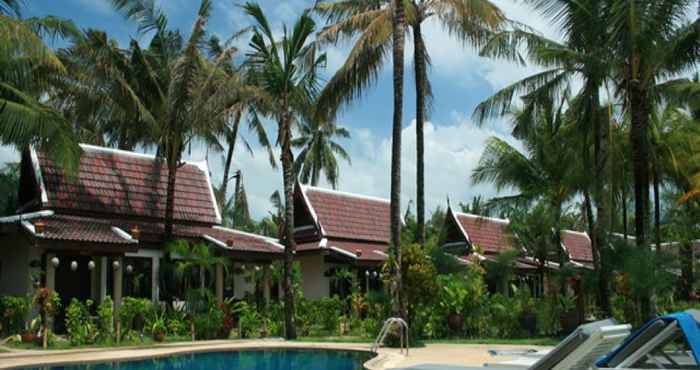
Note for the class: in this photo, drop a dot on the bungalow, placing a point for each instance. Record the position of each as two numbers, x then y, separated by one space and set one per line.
336 230
101 231
485 238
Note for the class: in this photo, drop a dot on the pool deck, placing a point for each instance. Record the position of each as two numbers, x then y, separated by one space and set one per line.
432 356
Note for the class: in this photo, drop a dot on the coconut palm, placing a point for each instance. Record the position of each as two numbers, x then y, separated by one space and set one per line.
581 56
28 72
286 69
177 92
650 41
252 100
371 22
318 151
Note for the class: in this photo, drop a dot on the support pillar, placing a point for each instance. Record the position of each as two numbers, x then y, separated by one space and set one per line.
50 277
104 270
117 271
266 284
155 273
220 283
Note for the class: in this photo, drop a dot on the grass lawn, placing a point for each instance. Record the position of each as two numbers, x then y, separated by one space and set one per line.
63 344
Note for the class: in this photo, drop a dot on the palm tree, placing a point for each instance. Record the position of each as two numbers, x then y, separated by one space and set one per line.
318 151
252 100
287 70
28 72
469 21
650 42
178 94
582 55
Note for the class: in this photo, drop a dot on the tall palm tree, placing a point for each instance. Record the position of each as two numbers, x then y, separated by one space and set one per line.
252 100
582 55
177 93
29 70
318 151
650 41
286 69
371 22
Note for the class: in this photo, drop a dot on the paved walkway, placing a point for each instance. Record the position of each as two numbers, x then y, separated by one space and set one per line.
433 356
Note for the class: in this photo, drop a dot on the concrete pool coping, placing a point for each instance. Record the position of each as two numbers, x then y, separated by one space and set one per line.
387 358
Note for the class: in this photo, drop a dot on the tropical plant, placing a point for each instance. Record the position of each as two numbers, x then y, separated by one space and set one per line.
47 303
178 94
13 314
29 70
105 318
81 330
650 41
197 258
287 69
318 151
371 22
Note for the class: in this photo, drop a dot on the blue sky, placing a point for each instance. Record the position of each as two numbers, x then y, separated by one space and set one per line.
460 80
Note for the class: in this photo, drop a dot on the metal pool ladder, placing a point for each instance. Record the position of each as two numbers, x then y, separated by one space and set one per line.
403 334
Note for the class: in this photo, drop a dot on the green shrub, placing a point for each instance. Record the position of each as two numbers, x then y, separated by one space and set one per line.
105 319
548 316
208 325
14 314
134 312
81 330
249 320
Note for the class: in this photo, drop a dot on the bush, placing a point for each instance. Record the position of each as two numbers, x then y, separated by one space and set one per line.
134 312
14 314
249 320
81 330
105 319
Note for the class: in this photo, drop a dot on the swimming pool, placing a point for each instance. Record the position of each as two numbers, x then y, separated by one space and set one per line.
275 359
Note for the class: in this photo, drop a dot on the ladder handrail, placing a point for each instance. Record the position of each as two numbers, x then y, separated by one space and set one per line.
403 334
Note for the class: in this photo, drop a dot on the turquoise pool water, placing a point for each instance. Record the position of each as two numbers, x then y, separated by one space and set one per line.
243 360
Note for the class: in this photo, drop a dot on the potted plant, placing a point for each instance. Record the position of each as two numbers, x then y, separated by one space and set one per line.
47 303
452 302
30 334
158 329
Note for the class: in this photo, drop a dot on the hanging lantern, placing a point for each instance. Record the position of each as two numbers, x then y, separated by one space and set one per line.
55 261
367 273
73 265
257 268
129 269
91 265
115 265
375 274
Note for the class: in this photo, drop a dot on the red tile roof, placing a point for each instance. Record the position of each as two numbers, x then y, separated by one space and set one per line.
95 231
349 216
125 184
368 251
244 241
578 244
78 229
490 234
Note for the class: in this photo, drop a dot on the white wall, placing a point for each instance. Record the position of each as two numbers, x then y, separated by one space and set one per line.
15 255
240 285
313 282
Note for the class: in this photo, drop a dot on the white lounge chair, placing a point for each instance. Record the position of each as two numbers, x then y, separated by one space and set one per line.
579 350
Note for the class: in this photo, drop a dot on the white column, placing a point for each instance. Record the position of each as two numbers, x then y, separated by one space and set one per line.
266 283
155 283
50 272
117 293
104 268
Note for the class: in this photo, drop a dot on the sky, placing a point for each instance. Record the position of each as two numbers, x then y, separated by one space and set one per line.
453 142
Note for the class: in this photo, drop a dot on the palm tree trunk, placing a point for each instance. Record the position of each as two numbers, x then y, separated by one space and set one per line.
173 161
601 200
640 110
290 245
395 213
657 210
231 140
625 221
421 79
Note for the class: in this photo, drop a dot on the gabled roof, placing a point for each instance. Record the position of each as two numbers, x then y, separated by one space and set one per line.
489 233
578 244
120 184
359 252
348 216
